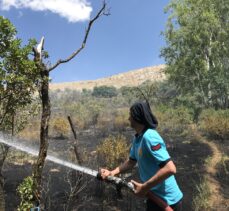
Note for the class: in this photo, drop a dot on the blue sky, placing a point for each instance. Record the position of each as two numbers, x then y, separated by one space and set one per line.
128 39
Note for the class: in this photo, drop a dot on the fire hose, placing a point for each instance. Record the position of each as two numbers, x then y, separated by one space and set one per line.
119 182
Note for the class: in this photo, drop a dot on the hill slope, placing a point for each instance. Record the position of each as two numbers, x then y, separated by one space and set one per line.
130 78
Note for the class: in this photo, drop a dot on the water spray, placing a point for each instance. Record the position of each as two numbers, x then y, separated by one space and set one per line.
17 145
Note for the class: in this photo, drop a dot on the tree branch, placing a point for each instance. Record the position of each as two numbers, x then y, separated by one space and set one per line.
60 61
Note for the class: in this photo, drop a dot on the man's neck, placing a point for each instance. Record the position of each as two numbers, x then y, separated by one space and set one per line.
139 129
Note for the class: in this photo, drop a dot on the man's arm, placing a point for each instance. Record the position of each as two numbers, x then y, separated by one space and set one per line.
163 173
127 165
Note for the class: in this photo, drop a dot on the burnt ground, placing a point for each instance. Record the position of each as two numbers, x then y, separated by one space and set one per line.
188 154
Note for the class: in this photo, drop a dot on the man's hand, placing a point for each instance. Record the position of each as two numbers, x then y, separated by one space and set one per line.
140 189
105 173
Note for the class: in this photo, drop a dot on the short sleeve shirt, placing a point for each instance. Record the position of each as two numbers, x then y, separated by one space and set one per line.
149 150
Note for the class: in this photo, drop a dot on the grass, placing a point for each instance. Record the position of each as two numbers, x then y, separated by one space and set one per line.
201 200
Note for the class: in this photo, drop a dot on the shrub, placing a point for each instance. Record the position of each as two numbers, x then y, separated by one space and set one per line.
121 121
105 91
215 123
174 121
112 151
105 120
60 126
25 191
31 131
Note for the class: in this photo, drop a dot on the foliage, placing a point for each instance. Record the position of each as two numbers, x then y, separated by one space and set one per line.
31 130
104 91
60 126
215 123
121 121
173 121
197 50
129 93
85 112
112 151
25 192
18 75
147 91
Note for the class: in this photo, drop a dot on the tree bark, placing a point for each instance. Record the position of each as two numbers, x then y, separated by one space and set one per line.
45 116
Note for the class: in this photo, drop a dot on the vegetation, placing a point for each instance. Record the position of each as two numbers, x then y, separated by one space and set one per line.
201 200
215 123
197 49
195 96
104 91
25 191
18 78
112 151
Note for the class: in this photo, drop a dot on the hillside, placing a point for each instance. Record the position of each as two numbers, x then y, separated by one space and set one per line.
130 78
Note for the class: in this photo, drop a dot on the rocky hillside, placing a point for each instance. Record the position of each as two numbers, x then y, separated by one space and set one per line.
130 78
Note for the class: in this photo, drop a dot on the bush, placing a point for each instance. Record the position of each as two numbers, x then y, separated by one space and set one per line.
60 126
112 151
215 123
25 191
105 91
121 121
174 121
31 131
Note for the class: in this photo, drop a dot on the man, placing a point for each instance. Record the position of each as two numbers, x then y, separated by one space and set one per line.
156 169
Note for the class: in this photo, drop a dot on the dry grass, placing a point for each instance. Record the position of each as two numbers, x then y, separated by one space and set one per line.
131 78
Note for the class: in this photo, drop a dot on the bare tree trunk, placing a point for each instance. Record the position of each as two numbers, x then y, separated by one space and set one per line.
46 112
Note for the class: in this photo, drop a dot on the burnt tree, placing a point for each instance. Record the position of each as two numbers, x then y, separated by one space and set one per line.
46 108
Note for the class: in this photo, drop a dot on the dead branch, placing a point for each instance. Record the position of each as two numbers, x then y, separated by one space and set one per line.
142 93
76 144
60 61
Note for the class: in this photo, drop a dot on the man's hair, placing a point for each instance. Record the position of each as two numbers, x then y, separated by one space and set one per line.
141 113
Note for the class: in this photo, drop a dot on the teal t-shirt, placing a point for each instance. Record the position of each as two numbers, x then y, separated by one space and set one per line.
149 150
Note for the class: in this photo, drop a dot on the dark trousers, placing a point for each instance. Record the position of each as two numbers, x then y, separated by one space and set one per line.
151 206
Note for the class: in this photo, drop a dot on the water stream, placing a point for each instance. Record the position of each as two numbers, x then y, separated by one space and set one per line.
13 142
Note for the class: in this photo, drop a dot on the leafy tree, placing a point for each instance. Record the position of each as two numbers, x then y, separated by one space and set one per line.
18 76
18 81
197 51
104 91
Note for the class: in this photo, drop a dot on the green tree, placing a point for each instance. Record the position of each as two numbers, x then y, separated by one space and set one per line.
18 76
104 91
18 81
197 51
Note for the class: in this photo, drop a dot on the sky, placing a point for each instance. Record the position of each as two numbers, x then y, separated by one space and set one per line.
128 39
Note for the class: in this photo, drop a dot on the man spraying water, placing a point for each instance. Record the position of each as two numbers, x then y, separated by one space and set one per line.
155 166
148 150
